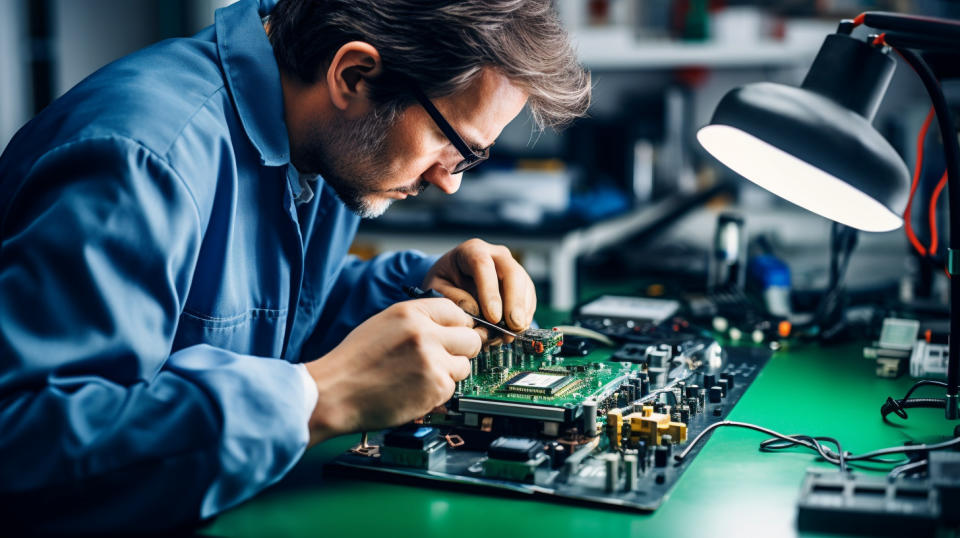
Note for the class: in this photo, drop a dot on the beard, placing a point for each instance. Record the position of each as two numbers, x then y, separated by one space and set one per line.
350 155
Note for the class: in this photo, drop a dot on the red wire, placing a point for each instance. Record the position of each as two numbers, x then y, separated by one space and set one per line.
933 213
907 224
858 20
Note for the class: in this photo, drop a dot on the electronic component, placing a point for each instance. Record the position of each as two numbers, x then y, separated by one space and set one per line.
899 333
634 308
838 502
514 458
413 445
929 360
540 342
539 383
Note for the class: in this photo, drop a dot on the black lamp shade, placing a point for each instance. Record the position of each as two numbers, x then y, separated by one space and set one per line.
815 145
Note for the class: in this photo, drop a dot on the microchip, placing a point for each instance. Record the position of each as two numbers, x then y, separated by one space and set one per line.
411 436
515 449
544 384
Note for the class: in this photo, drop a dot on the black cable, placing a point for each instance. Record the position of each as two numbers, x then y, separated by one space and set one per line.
899 407
813 443
951 149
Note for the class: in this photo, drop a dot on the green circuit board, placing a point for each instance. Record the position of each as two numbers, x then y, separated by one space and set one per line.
587 376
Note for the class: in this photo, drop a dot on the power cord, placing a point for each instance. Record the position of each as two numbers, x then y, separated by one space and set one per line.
899 407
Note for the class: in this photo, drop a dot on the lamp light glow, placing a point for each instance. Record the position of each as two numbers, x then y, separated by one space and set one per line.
796 180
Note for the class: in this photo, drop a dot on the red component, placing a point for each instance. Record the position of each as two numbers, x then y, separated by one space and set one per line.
858 20
538 347
928 335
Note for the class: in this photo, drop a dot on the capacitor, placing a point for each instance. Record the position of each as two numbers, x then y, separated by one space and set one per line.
716 394
612 475
724 387
644 386
474 365
499 356
508 356
692 405
630 471
729 377
684 413
590 417
709 380
702 398
660 456
666 440
692 391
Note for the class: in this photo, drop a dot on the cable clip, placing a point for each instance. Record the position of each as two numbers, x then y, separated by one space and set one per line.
894 405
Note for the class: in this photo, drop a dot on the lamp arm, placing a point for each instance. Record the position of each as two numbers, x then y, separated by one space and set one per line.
911 24
951 149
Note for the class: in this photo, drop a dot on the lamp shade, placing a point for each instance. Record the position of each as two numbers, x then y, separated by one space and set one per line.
815 145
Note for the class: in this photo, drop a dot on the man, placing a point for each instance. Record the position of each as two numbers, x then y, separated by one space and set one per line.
179 319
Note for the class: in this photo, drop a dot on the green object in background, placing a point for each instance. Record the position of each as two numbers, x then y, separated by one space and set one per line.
697 24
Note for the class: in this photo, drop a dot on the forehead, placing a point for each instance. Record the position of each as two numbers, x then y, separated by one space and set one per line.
484 108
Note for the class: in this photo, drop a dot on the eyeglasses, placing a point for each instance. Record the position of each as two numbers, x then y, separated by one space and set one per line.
471 158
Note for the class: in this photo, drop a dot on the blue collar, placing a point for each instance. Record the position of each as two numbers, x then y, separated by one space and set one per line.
253 78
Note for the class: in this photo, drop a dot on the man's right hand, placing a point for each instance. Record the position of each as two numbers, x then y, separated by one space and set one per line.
393 368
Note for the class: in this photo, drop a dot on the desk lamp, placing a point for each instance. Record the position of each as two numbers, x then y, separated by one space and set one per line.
816 147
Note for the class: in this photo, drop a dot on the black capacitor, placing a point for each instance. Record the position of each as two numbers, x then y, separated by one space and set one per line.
702 398
558 454
709 380
729 377
692 406
631 392
684 413
692 391
667 441
644 386
716 394
724 387
642 455
660 456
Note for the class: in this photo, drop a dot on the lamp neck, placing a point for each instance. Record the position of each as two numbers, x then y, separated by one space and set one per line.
852 73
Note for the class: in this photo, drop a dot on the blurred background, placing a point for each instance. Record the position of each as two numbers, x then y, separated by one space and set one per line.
621 197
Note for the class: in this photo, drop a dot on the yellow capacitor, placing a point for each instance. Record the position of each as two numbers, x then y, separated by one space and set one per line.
614 427
677 431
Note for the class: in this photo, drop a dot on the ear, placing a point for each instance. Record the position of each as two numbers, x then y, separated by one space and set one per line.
348 74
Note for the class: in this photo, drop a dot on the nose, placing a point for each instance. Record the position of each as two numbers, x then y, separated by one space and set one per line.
438 176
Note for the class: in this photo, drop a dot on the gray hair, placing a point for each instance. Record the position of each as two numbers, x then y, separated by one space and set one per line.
440 45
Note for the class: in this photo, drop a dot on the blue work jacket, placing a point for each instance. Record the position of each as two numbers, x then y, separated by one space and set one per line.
159 284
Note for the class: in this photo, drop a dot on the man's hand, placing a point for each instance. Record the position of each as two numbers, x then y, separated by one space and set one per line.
393 368
481 277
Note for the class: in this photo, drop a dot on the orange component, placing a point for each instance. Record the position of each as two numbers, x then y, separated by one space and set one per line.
858 20
928 335
784 328
538 347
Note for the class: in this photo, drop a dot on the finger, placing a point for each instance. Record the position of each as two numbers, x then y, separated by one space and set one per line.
462 298
480 267
443 312
516 286
460 341
484 335
459 367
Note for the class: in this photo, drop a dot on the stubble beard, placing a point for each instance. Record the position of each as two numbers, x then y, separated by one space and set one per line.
350 155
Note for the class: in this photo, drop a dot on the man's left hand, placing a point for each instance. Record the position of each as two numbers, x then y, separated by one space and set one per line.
480 277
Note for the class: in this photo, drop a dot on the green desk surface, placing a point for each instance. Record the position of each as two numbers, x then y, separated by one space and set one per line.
731 489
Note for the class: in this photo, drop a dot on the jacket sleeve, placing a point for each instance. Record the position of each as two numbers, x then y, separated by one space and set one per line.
362 289
101 428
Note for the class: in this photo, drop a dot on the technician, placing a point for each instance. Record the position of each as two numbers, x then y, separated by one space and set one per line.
179 317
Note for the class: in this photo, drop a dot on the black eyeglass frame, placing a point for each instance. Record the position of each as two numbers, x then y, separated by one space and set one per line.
471 158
